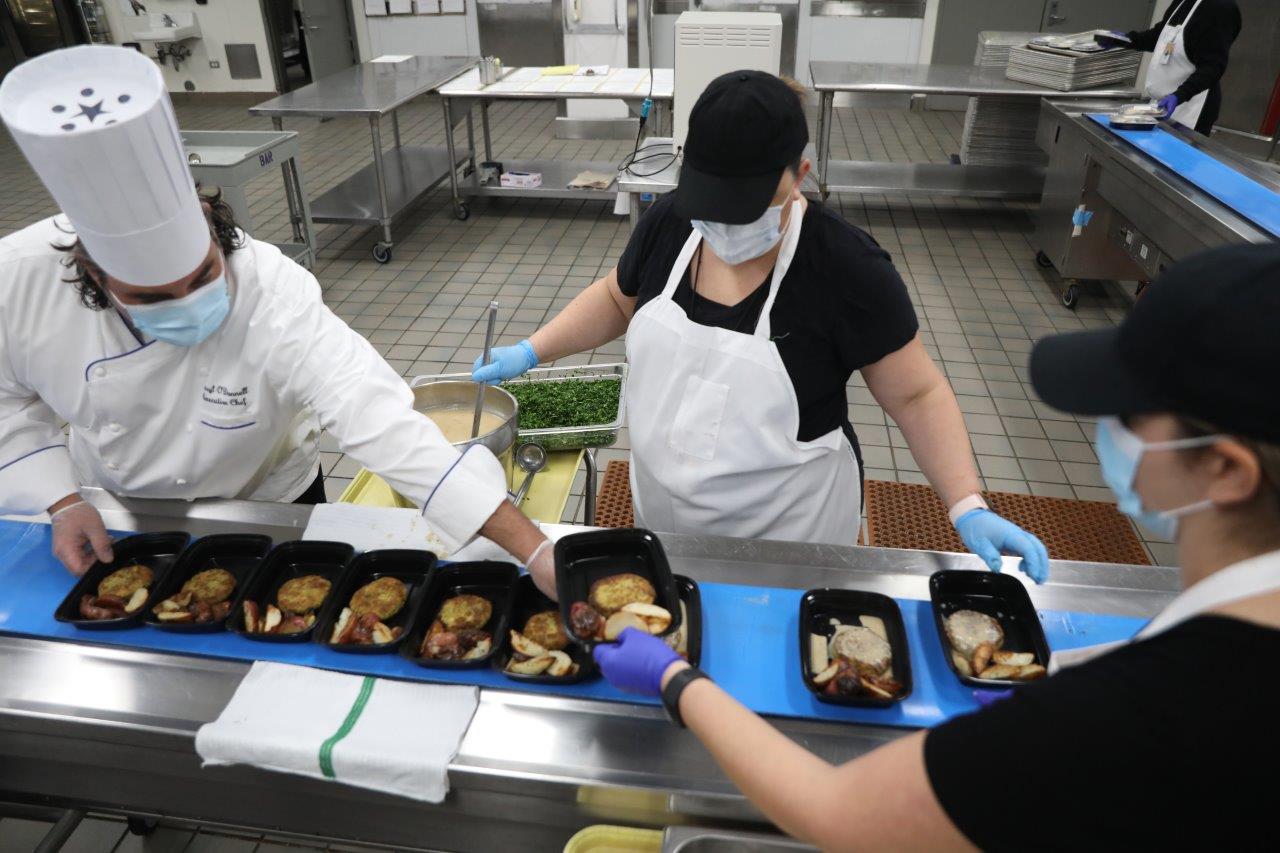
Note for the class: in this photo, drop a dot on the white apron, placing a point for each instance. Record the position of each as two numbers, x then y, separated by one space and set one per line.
1246 579
1170 67
713 420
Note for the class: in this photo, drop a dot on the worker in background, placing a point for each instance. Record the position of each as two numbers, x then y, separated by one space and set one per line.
746 310
1190 48
189 360
1130 748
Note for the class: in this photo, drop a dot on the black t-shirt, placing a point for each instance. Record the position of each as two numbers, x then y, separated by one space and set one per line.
840 307
1166 744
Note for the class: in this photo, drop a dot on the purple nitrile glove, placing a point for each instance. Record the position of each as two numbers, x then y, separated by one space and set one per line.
1108 41
504 363
636 662
987 698
1168 103
988 535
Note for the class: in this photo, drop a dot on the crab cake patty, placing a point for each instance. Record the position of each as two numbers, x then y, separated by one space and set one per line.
465 612
125 582
611 594
383 597
210 586
547 630
302 595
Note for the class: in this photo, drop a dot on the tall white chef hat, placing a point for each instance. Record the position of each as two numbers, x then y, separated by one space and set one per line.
97 125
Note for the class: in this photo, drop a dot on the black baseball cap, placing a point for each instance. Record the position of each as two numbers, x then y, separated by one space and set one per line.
744 130
1202 342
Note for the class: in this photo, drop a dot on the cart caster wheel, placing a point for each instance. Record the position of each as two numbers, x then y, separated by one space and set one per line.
382 252
1042 261
461 212
1070 296
141 825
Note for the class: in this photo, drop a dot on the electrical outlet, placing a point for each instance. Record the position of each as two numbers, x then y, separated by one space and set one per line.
213 63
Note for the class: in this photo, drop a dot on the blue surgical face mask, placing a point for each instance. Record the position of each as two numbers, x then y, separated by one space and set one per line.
187 321
1119 454
735 244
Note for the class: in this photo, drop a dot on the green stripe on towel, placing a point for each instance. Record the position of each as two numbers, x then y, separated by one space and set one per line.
357 708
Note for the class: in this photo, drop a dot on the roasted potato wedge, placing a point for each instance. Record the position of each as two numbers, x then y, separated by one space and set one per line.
1031 672
136 601
826 675
1014 658
962 664
621 621
523 645
532 666
560 665
999 672
656 619
982 657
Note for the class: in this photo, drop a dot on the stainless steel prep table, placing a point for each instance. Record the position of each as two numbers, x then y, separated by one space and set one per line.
929 179
113 730
460 95
397 178
1145 215
230 159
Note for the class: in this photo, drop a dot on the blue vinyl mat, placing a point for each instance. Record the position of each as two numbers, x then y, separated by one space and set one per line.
1241 193
750 643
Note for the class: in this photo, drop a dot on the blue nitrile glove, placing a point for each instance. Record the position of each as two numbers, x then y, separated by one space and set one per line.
1107 41
988 535
636 662
1168 103
505 363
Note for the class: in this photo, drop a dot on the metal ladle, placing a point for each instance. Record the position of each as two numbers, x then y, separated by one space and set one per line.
488 352
531 458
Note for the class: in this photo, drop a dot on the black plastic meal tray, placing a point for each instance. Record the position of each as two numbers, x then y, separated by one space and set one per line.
489 580
412 567
527 600
692 598
286 561
819 606
156 551
238 553
584 558
1001 597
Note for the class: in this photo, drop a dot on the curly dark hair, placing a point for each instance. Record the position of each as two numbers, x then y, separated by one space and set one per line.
86 274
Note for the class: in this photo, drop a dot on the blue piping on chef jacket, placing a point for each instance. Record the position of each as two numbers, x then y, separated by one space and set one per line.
31 453
237 426
90 365
445 476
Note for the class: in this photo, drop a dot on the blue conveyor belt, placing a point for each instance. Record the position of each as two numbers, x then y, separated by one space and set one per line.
750 643
1255 202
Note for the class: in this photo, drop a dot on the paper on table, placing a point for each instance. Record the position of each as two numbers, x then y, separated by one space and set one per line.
370 528
634 75
613 86
581 84
592 71
391 57
558 70
467 81
545 84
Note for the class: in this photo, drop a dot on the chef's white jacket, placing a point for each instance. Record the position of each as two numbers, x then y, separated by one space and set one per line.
237 416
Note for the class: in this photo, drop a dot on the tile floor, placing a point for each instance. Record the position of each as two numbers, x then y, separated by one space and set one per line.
969 265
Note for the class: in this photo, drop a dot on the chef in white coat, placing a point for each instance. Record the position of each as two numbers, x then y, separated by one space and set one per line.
189 360
1189 51
746 310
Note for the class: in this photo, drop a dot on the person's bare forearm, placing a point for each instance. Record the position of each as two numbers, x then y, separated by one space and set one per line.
935 431
592 319
510 529
787 782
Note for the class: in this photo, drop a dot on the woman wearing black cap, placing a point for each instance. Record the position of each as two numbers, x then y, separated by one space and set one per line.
746 310
1165 743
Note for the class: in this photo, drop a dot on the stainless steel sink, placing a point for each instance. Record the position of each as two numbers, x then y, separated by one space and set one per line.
692 839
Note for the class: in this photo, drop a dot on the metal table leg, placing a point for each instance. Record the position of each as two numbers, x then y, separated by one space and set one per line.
460 210
484 129
633 209
381 251
589 500
303 217
825 103
471 144
395 126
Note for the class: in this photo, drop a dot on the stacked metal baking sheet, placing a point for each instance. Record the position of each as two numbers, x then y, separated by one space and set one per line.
1000 131
1069 70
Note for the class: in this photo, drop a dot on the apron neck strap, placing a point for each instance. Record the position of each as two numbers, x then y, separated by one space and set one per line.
1187 19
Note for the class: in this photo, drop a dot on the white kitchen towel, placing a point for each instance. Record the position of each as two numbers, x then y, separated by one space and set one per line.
374 733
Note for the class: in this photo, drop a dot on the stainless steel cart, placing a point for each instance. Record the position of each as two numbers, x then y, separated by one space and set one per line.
929 179
397 178
463 93
230 159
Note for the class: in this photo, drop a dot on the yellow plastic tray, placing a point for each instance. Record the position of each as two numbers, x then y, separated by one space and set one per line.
546 500
603 838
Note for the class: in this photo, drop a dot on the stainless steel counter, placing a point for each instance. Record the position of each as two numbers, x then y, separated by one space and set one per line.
1145 216
395 179
113 730
928 179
